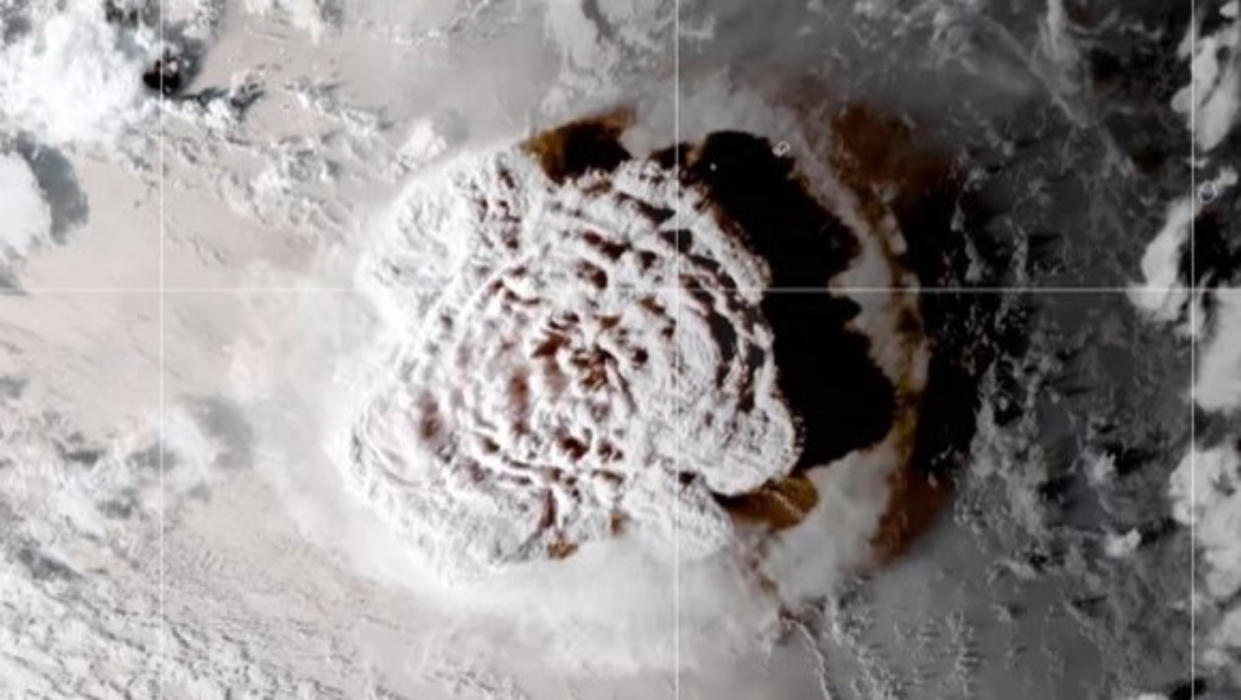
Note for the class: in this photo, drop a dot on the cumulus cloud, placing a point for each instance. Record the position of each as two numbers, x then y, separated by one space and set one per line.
75 78
1206 495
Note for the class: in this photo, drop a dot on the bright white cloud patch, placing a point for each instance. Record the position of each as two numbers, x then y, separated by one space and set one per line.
538 405
1212 100
1163 293
1218 385
76 78
1122 545
1205 489
25 217
1206 493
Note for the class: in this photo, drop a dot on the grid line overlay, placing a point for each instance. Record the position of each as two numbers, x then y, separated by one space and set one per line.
161 291
677 402
161 432
861 290
1193 353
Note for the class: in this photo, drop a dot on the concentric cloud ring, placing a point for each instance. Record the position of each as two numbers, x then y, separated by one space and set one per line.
586 347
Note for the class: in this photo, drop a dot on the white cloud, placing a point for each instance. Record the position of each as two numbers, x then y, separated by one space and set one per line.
1206 494
1218 385
1212 100
76 79
1163 294
25 217
1118 546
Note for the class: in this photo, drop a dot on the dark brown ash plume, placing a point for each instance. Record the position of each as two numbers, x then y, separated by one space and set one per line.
581 146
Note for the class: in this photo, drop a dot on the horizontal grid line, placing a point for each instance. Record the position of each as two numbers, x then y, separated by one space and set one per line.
155 291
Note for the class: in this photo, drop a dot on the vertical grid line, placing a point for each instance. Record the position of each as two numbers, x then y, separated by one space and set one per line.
1193 350
676 477
163 638
1193 289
